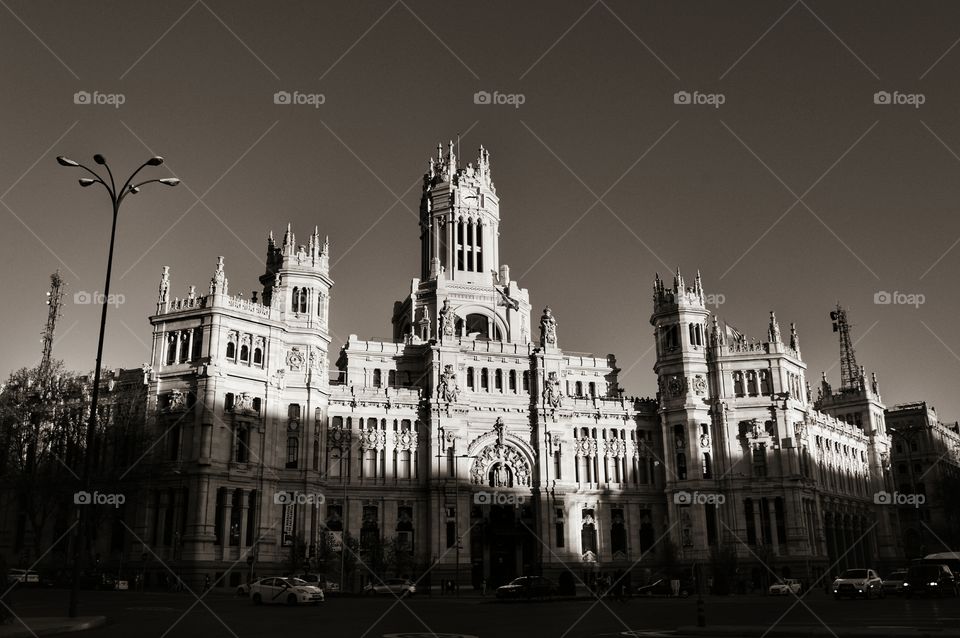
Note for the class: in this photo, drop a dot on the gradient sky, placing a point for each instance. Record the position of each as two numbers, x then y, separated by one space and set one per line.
688 185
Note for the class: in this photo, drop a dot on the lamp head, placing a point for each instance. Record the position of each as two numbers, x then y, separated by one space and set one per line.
155 161
86 181
100 159
64 161
170 181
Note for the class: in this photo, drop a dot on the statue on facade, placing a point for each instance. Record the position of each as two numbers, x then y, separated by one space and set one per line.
552 394
164 285
448 390
177 401
498 428
548 328
448 319
218 283
242 402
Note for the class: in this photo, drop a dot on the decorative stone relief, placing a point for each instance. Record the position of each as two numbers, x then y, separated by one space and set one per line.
295 359
506 460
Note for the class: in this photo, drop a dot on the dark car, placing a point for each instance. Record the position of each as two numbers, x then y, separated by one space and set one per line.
930 580
528 587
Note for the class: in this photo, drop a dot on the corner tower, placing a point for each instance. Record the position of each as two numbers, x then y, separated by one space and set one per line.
680 332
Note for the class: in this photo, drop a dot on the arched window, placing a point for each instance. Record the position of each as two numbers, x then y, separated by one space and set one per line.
498 380
295 299
244 353
231 350
470 246
392 378
681 466
197 348
470 378
512 380
303 300
376 378
320 305
526 380
578 388
258 356
752 389
316 455
184 346
479 247
172 349
484 379
460 247
738 384
593 389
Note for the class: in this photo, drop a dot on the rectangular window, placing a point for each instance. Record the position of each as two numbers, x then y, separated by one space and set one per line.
710 510
217 519
242 436
751 524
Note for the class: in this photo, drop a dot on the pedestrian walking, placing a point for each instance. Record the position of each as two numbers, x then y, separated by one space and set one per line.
483 587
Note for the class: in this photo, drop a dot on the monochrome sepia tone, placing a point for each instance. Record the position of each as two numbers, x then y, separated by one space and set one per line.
242 439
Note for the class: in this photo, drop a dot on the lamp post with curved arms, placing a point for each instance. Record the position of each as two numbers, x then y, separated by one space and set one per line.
116 198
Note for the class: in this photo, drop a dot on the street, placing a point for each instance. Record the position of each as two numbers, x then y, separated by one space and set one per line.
219 615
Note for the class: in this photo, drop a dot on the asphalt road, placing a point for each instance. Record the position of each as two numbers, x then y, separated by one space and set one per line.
218 615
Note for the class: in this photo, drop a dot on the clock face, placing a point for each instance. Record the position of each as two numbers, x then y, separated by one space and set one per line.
292 426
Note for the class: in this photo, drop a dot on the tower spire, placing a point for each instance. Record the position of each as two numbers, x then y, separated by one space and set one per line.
773 332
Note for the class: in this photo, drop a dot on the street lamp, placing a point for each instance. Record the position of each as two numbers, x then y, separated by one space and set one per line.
116 198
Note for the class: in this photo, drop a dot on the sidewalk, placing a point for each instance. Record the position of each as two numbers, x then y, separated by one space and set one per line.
814 631
50 625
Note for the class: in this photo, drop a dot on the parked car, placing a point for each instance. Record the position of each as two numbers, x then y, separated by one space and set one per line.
23 577
663 587
528 587
857 583
924 579
321 581
893 583
395 586
279 590
784 587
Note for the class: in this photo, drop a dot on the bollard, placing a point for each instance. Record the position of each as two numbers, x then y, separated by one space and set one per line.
701 614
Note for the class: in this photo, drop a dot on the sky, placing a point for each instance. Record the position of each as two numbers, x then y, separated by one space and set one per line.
798 154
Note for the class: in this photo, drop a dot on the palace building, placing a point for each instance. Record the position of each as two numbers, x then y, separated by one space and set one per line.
474 443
